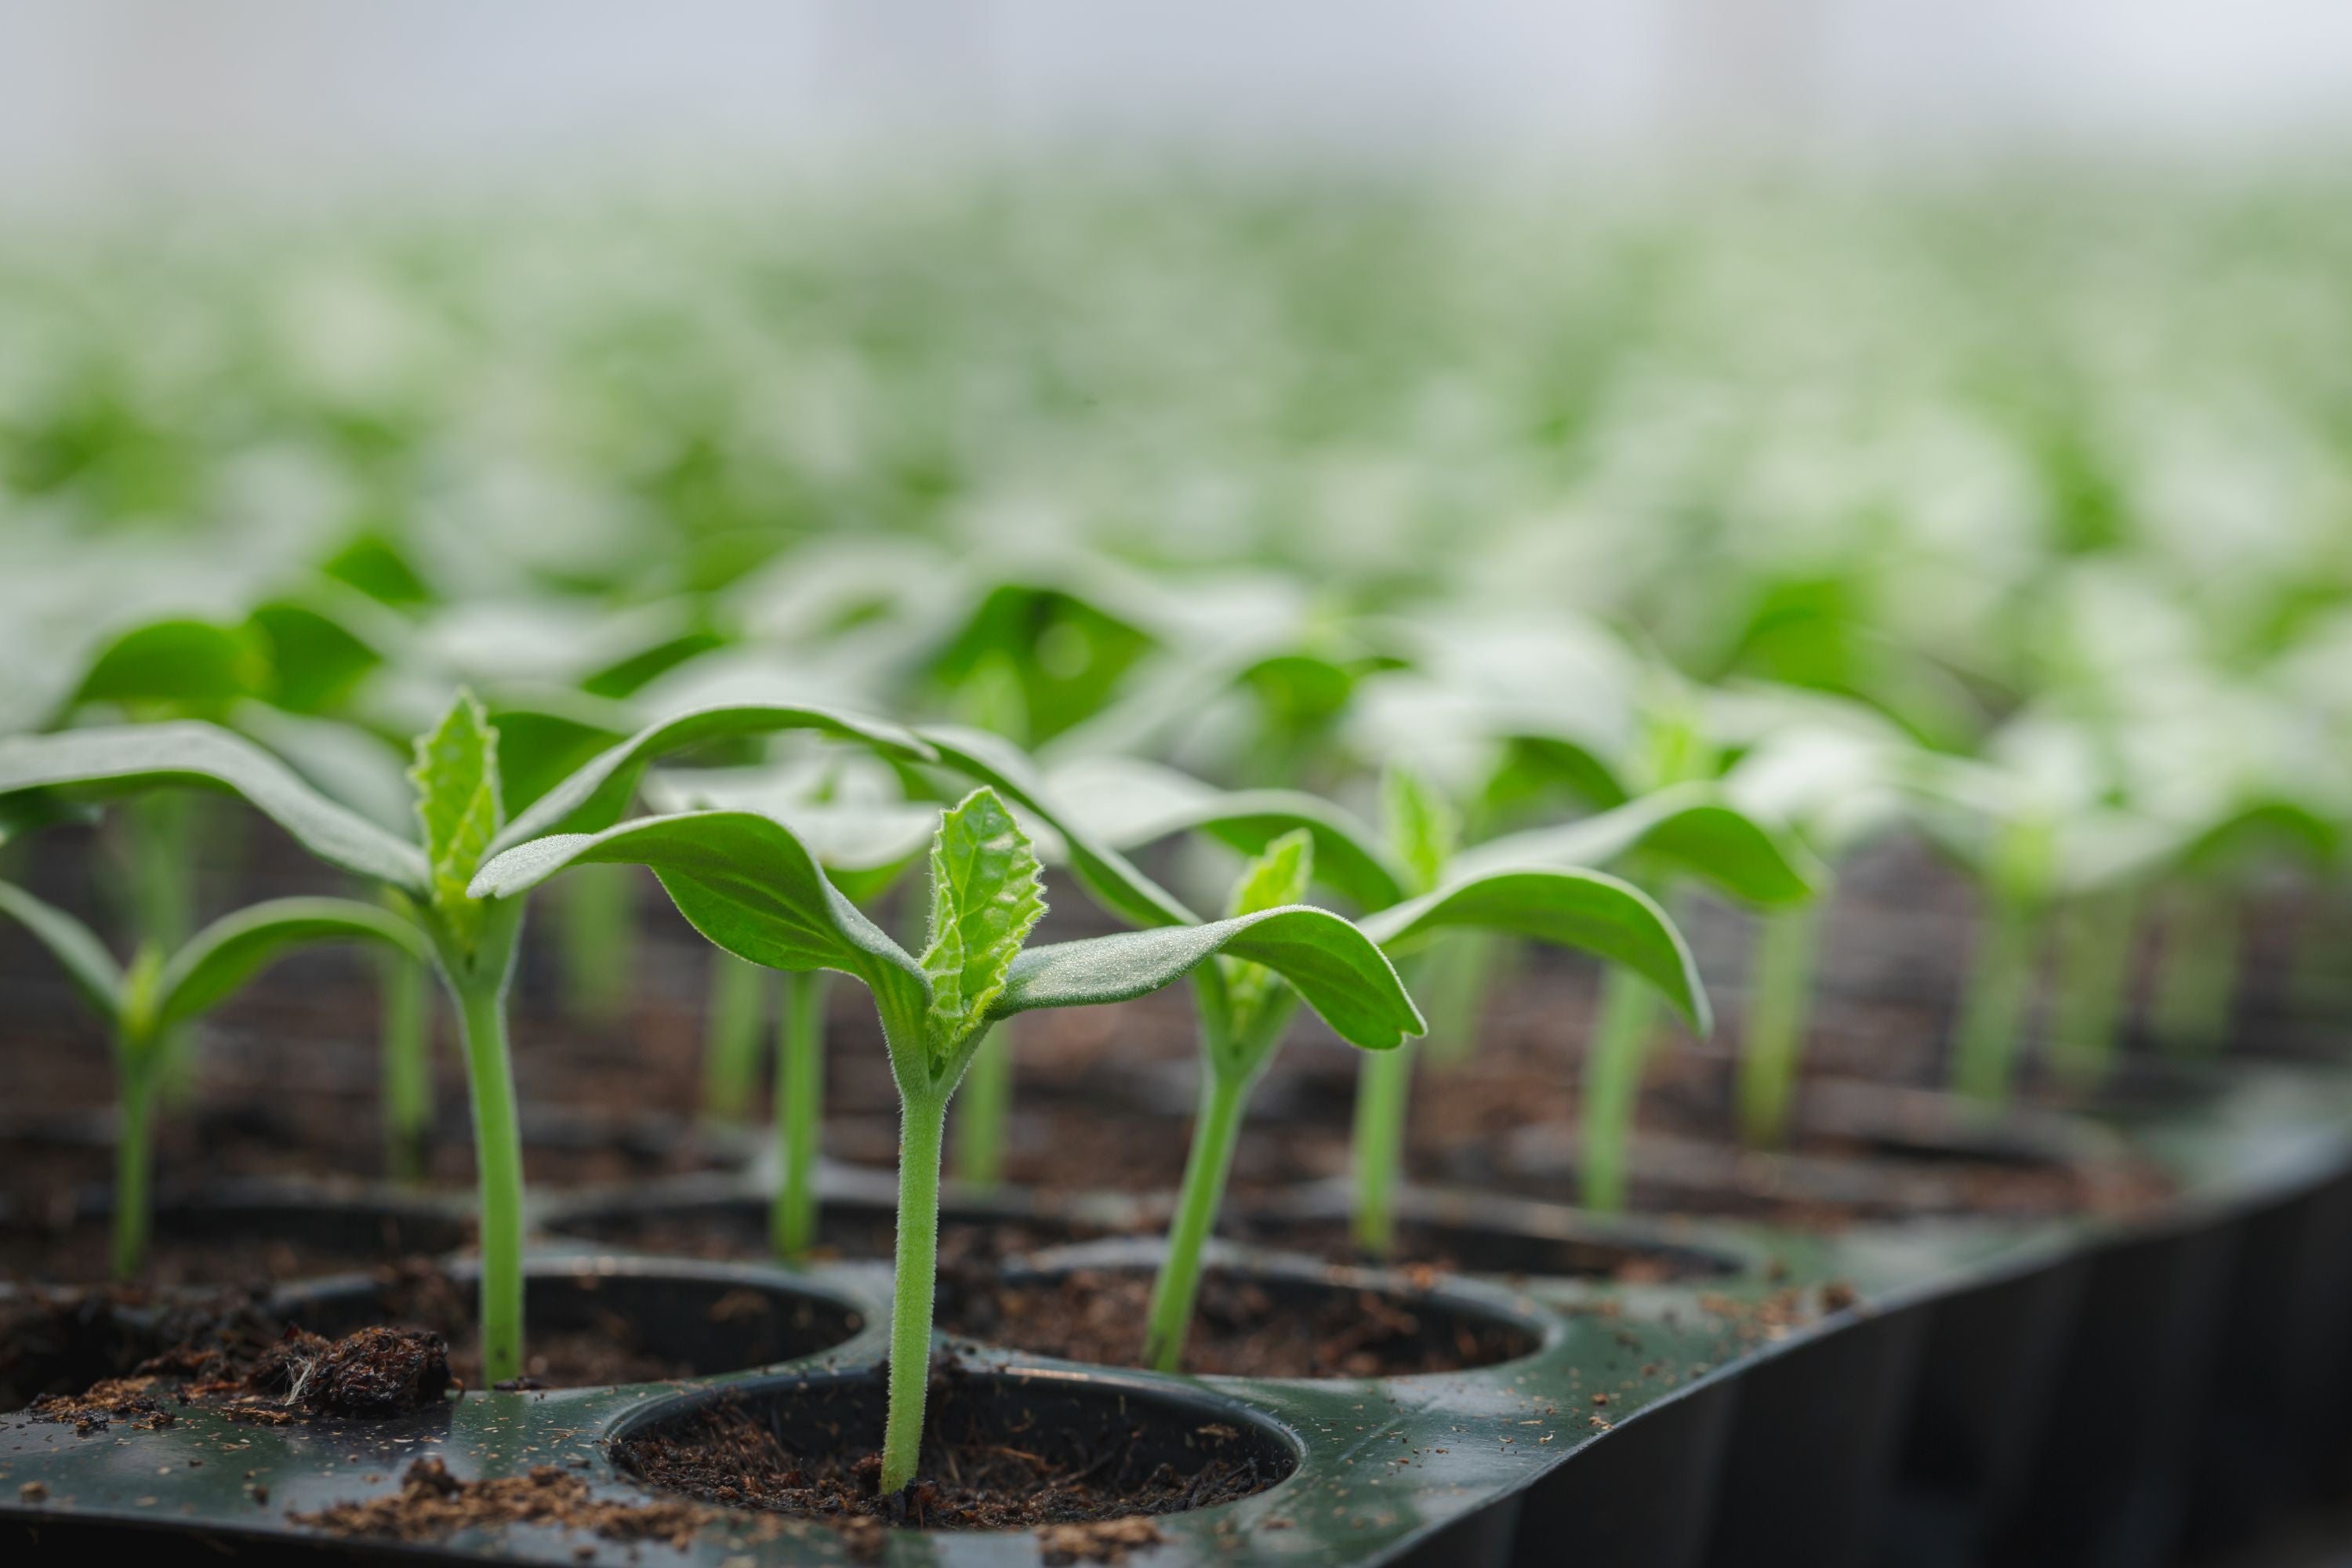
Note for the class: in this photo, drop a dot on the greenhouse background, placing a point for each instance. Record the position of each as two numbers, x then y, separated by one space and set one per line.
1598 757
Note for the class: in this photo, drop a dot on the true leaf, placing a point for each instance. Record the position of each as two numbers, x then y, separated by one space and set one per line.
221 958
457 779
596 795
1687 826
1336 967
1108 876
74 945
987 893
1424 829
1587 909
1277 878
39 772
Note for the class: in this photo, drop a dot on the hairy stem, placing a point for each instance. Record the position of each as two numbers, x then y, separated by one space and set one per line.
478 979
981 1109
1613 1085
2094 951
1383 1088
593 908
1779 1002
2198 983
1217 1128
1992 1012
800 1114
732 1036
922 1127
133 1142
407 1052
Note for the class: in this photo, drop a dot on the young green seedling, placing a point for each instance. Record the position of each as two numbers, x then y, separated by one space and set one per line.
159 991
43 777
749 884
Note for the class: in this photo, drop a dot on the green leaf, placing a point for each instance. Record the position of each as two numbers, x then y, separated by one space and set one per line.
1108 876
457 779
221 958
1278 878
1425 831
1590 910
38 771
987 894
1687 826
182 664
74 945
1335 966
749 884
596 795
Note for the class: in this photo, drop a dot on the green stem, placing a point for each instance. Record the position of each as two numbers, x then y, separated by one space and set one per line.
1216 1129
1461 971
407 1051
1383 1087
1780 1001
133 1147
732 1036
982 1109
498 1156
922 1129
2094 951
2198 982
800 1114
1992 1013
1612 1085
594 907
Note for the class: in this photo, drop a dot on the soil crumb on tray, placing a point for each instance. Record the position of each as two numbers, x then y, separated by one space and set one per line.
372 1373
1086 1507
1242 1329
433 1503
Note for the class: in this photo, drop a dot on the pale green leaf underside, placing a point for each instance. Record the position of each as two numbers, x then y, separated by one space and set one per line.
598 794
1336 967
456 780
748 884
220 959
106 763
74 945
1108 876
1687 826
987 893
1590 910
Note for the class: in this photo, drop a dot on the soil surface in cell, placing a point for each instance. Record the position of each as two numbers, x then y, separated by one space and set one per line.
1243 1327
983 1467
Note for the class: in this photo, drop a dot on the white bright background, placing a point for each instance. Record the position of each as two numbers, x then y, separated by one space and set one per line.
99 98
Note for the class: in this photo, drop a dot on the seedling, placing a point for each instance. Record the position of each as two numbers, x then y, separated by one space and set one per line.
473 941
157 993
749 884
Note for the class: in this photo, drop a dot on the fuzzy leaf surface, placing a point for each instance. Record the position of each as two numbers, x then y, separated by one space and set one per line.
747 883
1590 910
987 895
597 796
1424 829
98 765
219 960
1689 826
1112 879
456 780
1336 967
74 945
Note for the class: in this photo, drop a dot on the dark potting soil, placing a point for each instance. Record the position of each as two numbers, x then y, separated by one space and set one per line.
369 1375
982 1468
739 1234
607 1350
1242 1328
